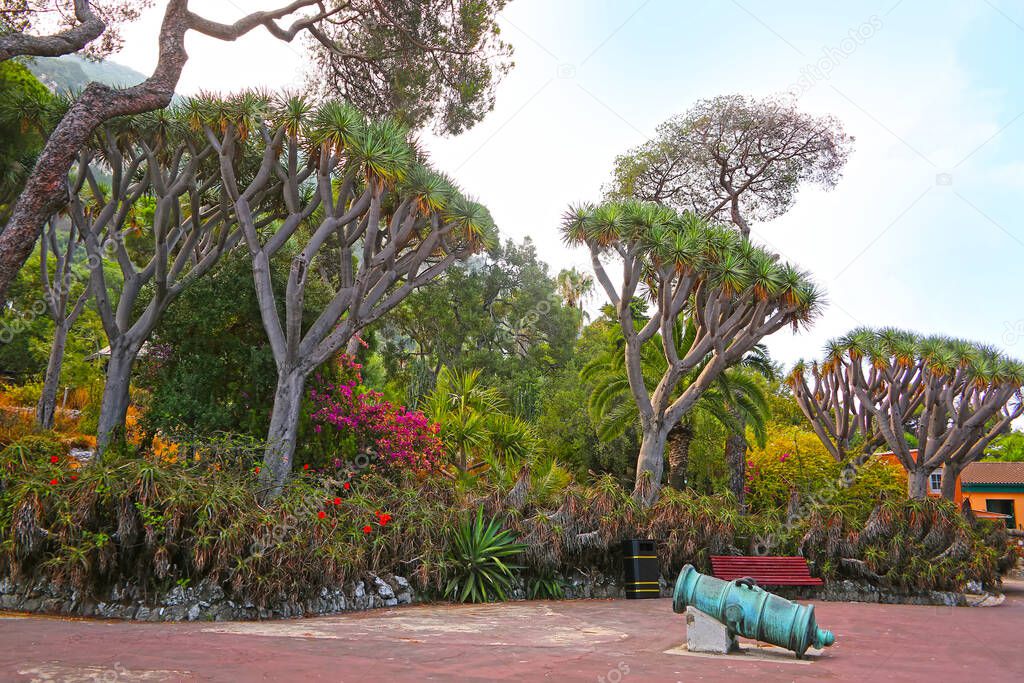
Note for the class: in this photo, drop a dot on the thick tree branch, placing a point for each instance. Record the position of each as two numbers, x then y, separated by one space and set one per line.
88 28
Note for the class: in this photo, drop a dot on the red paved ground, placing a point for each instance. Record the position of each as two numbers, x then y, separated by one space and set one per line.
618 640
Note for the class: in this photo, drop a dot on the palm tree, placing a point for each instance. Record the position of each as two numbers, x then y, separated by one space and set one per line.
575 288
475 422
748 407
736 400
461 405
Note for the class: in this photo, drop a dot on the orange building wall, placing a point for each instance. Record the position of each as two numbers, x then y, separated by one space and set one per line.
978 499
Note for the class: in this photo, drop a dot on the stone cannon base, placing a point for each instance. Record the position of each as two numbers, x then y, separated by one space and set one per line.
704 633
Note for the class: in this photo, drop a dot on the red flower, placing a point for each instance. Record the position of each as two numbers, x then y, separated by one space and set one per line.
347 486
74 477
306 466
337 501
54 459
53 482
367 529
257 470
384 519
321 514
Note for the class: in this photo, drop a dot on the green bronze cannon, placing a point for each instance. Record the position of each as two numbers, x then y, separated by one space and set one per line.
750 611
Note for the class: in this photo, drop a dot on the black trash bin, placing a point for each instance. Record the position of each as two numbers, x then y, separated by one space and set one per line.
640 564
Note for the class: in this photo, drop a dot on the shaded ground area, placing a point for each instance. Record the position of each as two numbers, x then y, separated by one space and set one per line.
595 640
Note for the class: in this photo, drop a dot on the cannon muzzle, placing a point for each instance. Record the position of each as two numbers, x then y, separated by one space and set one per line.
750 611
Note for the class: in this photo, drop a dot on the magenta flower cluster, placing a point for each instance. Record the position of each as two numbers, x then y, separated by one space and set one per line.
398 436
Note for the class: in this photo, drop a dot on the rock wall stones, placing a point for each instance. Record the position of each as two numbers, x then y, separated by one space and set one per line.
207 601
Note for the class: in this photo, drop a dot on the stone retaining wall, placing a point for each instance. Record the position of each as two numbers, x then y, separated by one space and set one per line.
208 601
204 602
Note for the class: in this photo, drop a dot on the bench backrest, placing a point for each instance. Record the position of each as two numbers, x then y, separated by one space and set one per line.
763 569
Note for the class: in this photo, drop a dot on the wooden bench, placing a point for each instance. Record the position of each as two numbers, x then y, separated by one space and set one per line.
766 570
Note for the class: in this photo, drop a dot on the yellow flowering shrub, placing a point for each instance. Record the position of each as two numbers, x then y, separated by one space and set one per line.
794 459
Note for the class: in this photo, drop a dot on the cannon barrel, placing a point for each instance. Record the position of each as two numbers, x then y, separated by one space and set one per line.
748 610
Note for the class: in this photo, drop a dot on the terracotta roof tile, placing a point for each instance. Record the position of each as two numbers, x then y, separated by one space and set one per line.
993 473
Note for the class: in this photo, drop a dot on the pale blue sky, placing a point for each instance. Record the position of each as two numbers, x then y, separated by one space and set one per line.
923 231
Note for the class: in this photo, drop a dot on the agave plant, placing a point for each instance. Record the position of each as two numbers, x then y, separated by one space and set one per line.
545 588
478 567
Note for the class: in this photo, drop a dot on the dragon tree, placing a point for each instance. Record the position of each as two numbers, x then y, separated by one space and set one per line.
145 196
733 293
948 396
367 219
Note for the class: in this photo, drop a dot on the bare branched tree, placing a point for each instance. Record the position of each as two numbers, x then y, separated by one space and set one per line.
732 292
953 396
734 159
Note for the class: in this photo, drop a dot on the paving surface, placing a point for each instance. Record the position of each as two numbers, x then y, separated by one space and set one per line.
613 641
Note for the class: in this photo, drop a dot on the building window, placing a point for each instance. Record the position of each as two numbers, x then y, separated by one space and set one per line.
935 482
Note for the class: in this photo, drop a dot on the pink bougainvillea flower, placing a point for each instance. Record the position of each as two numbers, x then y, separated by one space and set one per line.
367 529
321 514
398 436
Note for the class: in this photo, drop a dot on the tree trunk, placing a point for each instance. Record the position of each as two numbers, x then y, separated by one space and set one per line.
352 347
48 400
114 408
950 474
282 434
679 439
736 458
650 464
917 483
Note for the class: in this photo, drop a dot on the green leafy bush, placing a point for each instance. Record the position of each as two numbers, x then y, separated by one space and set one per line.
25 394
478 566
793 461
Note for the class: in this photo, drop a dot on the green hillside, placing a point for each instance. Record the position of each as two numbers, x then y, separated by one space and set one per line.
71 72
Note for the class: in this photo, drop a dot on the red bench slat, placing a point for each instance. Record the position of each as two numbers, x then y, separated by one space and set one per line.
766 570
